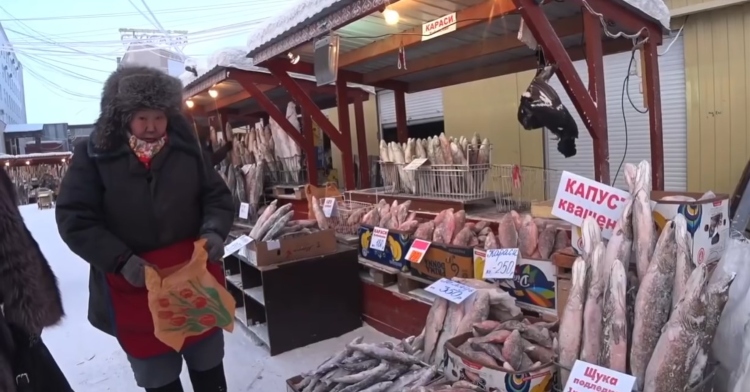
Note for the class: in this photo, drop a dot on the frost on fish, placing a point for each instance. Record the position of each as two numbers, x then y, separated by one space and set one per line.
675 353
715 299
591 234
592 312
571 324
653 303
614 344
684 263
643 222
621 243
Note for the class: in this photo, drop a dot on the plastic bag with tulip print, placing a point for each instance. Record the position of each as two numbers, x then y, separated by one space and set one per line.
186 300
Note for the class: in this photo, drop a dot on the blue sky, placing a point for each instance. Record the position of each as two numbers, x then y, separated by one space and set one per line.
63 84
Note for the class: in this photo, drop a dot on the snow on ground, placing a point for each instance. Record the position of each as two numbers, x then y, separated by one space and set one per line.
93 361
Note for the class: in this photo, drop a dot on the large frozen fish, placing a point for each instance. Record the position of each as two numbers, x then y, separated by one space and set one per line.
715 299
643 226
476 309
527 236
684 263
592 311
452 319
613 352
433 326
675 353
507 234
591 234
621 242
653 303
571 324
547 241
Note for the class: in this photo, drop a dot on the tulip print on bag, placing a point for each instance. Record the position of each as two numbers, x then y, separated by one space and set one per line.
187 300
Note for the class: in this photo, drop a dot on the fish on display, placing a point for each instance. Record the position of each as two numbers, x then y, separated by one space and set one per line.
653 303
571 324
591 234
433 326
592 311
673 358
621 243
643 225
684 265
613 352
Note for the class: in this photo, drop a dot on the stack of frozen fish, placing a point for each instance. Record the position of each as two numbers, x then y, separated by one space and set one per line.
657 324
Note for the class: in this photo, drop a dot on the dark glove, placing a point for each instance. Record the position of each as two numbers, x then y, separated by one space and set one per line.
214 246
134 271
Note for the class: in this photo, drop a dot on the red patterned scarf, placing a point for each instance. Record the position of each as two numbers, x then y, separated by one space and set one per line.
144 150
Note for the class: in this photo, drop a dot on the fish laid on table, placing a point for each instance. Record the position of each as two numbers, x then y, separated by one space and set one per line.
653 303
674 355
547 241
571 324
643 222
613 351
507 233
476 309
684 264
592 311
513 352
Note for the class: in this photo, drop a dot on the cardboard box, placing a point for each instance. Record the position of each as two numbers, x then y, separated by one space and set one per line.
494 378
263 254
707 222
445 261
534 285
393 256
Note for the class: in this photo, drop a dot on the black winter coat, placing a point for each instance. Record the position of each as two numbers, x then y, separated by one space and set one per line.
111 206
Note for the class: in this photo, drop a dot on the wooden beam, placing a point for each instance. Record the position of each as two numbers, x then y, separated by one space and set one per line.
563 27
592 28
625 15
472 16
347 159
310 158
509 67
350 76
651 74
364 163
222 102
402 131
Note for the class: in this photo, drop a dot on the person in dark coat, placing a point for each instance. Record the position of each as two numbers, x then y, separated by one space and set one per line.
139 193
30 300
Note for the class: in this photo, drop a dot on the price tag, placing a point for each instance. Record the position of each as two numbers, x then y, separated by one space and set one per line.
234 246
244 210
500 263
415 163
450 290
379 238
329 206
585 377
273 244
417 251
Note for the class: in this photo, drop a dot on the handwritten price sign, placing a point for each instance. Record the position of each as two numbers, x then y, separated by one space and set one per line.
450 290
329 206
244 210
585 377
379 238
500 263
234 246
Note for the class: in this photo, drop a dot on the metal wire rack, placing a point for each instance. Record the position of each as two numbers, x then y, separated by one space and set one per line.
466 181
396 179
347 214
287 171
517 187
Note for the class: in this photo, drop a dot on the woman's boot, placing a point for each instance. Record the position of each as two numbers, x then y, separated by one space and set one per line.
211 380
174 386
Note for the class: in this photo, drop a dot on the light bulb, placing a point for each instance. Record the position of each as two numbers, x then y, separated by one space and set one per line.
391 17
292 58
190 102
7 163
63 160
213 93
28 162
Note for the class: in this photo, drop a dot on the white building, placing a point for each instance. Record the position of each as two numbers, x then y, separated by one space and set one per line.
152 56
12 102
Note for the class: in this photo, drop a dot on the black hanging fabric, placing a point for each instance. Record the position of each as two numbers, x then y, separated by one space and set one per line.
540 107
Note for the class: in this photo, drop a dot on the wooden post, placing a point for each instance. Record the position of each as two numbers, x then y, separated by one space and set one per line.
359 121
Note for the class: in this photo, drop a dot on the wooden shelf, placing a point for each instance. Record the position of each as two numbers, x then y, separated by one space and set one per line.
297 303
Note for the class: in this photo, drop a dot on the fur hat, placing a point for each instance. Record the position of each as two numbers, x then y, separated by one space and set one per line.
128 90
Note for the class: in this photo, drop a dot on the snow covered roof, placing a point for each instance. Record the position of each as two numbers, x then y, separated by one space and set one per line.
292 19
18 128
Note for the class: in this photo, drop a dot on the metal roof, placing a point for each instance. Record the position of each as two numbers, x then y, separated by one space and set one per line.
18 128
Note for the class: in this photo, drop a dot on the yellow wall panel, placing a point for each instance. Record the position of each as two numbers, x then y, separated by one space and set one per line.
371 131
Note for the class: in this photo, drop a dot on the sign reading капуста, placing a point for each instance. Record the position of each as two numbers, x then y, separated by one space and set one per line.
579 197
585 377
450 290
379 238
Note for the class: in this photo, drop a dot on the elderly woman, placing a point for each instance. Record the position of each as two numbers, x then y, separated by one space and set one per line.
139 193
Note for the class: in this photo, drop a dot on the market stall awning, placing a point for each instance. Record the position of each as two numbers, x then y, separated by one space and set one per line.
50 158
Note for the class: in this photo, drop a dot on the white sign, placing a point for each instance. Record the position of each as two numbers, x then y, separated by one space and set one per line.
585 377
417 250
329 205
244 210
415 164
442 25
450 290
241 242
273 244
379 238
579 197
500 263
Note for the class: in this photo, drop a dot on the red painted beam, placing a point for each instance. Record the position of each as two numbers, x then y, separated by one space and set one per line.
347 158
623 15
554 50
402 130
309 138
359 122
352 77
246 82
653 100
592 31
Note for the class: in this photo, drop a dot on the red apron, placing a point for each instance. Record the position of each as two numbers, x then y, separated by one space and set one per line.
134 326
